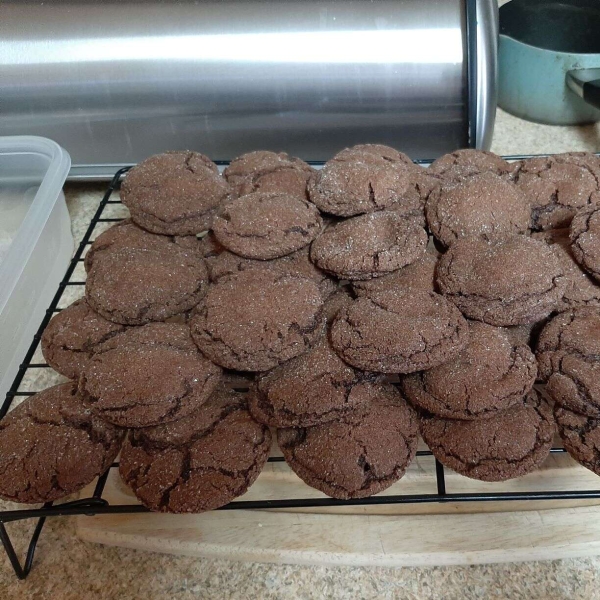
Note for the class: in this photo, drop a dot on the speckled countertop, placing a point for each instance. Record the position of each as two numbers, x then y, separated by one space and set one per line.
67 568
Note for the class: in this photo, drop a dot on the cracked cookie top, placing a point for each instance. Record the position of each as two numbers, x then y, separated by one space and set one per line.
312 388
506 281
557 186
221 262
254 320
135 287
580 436
585 239
399 331
148 375
369 246
335 302
419 274
580 288
265 171
355 457
491 374
376 153
51 446
568 352
468 162
353 183
485 205
267 225
200 462
72 336
127 235
509 444
175 193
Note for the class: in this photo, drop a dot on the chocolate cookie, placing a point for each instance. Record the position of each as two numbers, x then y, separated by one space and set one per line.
580 436
567 351
254 320
355 458
485 205
580 288
264 171
353 183
341 298
491 374
72 336
376 153
313 388
200 462
297 263
466 163
127 235
134 287
176 193
511 281
369 246
419 275
585 239
557 186
148 375
509 444
51 446
399 331
265 226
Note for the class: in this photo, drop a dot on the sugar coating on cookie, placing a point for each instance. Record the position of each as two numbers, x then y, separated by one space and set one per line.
581 289
134 287
585 239
508 281
254 320
200 462
175 193
369 246
580 435
267 225
353 183
399 331
557 186
567 351
419 274
127 235
376 153
72 336
221 263
148 375
460 164
355 458
312 388
509 444
52 445
265 171
491 374
483 205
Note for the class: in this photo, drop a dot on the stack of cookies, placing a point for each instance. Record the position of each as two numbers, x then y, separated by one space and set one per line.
568 348
323 286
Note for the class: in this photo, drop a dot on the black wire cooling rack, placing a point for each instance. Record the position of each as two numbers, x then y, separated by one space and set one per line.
96 504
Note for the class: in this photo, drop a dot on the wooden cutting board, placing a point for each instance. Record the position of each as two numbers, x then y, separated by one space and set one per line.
387 535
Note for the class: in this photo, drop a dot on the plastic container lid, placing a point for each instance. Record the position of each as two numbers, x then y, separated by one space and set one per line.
35 241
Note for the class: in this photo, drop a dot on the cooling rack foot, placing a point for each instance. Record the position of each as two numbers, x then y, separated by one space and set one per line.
21 571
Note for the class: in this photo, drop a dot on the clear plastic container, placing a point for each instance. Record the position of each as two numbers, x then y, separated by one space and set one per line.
36 242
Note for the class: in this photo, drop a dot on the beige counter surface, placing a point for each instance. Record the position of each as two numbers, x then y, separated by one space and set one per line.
67 568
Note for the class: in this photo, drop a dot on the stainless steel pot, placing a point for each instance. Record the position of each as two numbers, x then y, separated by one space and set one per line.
113 81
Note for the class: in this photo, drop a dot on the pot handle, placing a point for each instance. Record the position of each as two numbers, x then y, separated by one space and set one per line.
586 84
